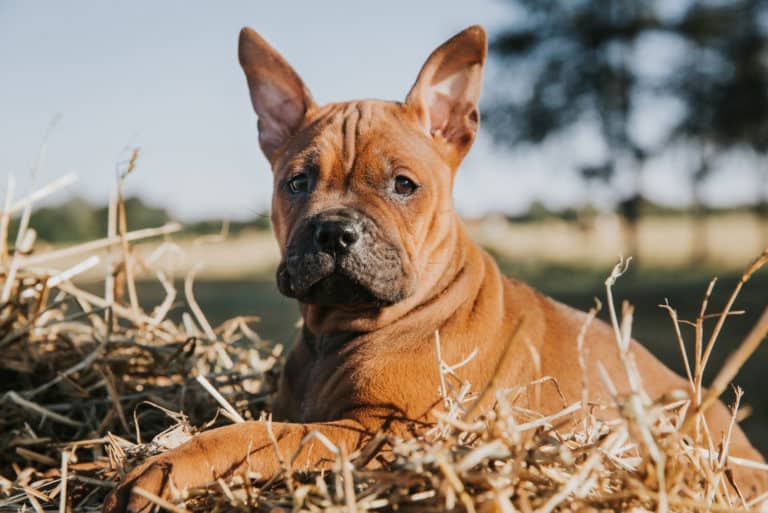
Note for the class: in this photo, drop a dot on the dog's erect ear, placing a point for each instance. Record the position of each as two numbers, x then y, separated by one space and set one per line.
447 89
279 97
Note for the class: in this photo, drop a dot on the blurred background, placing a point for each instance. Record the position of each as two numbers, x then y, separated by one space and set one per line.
610 127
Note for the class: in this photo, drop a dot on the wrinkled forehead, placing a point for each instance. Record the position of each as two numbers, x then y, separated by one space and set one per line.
349 134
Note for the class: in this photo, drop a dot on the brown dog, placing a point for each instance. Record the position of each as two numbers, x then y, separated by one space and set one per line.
379 261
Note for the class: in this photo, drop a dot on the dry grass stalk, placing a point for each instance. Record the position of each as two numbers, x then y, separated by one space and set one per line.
122 227
219 399
736 360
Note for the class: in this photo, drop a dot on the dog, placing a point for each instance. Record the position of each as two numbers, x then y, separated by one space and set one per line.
379 262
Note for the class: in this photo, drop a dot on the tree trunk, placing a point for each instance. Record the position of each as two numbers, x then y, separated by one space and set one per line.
630 212
699 242
761 208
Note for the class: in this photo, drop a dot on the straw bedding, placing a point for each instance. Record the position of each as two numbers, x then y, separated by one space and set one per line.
91 384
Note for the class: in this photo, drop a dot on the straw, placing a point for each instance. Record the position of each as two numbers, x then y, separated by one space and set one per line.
92 398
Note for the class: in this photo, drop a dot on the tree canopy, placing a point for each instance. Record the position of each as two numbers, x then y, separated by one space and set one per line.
600 63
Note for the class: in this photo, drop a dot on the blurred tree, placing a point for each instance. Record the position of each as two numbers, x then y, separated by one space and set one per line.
571 60
572 63
724 86
138 215
70 221
76 220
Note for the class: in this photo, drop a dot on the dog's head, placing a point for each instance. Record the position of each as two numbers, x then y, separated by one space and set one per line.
362 189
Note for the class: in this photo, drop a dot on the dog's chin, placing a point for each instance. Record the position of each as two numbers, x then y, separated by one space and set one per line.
335 288
338 289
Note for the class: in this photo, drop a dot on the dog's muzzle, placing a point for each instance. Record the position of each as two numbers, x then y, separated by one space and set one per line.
340 257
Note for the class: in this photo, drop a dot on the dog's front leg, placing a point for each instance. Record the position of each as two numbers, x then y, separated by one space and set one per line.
230 450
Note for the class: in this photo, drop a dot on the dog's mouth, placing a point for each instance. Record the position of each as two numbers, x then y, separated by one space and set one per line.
338 289
318 279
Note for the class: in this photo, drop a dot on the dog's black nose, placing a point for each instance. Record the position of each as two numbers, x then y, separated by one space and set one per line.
336 236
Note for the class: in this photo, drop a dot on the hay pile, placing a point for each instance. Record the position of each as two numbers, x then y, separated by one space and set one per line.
87 381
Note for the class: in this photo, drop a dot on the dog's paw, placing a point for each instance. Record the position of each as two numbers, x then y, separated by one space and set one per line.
152 476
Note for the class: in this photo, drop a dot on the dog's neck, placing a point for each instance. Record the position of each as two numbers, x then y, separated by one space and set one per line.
446 262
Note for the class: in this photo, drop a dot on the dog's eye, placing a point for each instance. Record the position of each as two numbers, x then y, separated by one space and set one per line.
299 184
404 186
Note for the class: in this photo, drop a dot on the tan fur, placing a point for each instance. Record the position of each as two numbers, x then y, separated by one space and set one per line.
356 369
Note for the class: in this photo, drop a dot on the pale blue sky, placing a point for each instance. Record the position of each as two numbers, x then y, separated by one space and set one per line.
164 76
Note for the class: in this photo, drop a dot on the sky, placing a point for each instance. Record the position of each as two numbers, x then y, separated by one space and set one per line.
164 77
